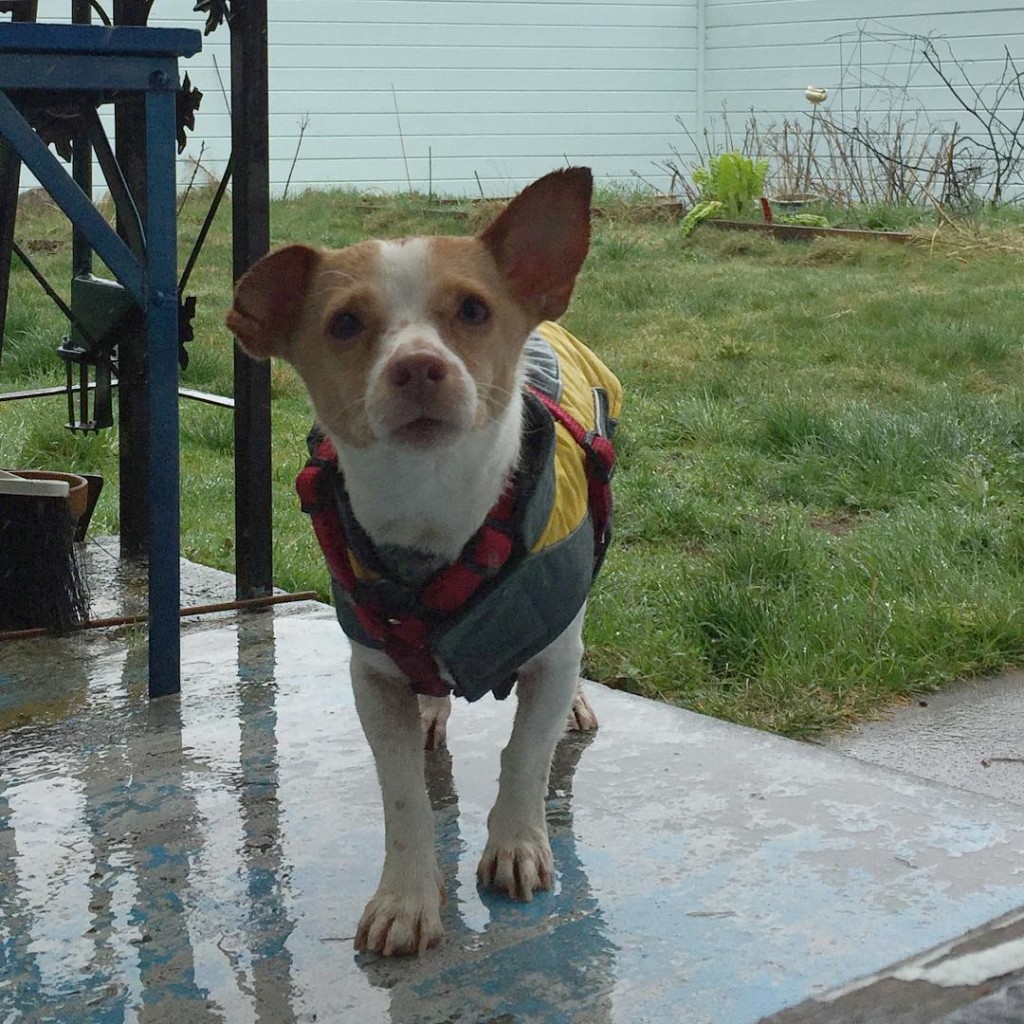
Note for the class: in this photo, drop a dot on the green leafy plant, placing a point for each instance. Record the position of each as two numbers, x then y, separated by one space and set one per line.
700 211
733 180
805 220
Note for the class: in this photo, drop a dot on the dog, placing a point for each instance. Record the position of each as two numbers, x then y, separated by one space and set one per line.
444 398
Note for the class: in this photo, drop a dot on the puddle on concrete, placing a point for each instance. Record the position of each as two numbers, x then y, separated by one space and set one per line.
206 858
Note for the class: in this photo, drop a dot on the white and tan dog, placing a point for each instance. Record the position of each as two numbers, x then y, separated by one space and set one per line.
413 355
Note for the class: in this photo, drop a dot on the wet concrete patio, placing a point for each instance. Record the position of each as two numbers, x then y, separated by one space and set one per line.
206 857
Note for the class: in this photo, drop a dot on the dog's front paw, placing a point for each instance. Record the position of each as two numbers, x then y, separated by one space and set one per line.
401 924
518 865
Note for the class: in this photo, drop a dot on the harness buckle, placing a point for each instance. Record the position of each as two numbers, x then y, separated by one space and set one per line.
600 456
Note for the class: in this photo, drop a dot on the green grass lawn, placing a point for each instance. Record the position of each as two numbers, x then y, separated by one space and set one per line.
821 484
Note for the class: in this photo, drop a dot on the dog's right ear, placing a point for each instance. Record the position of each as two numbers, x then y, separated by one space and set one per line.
268 299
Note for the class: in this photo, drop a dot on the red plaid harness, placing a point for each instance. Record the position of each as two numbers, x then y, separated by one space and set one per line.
405 633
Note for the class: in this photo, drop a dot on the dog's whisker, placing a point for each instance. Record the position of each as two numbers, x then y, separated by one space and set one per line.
329 280
334 272
356 407
489 390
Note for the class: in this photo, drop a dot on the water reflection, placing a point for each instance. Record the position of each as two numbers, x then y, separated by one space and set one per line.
46 860
125 836
549 960
20 971
155 820
96 858
265 870
205 859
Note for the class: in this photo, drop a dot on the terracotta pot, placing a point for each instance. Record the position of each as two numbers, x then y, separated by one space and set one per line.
78 496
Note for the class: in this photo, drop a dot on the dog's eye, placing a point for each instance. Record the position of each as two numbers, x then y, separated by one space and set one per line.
344 325
474 311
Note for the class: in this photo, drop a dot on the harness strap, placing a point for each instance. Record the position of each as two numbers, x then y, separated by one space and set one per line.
599 467
405 635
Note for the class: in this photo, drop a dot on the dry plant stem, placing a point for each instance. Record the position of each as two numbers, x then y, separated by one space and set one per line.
303 125
401 138
896 156
220 82
196 163
1004 139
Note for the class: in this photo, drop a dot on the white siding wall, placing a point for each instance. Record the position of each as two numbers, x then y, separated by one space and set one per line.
504 90
499 90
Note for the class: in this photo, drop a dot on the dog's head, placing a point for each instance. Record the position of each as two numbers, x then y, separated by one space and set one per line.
416 342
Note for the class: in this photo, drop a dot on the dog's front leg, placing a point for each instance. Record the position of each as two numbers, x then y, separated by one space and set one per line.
404 915
517 859
434 715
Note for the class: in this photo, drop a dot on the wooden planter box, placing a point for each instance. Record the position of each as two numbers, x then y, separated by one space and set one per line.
803 232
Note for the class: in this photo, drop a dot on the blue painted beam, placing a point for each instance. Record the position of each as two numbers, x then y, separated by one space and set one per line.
117 40
82 72
162 331
71 199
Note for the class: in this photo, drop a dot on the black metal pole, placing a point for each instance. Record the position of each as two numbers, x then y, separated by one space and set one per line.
10 174
250 218
81 163
132 358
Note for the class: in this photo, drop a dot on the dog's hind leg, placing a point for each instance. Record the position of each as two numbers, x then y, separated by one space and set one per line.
404 915
434 715
517 859
581 714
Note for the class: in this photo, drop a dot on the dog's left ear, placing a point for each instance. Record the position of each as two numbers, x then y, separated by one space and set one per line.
541 239
268 299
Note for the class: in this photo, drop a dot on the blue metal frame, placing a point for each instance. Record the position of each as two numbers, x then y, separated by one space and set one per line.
128 74
94 59
99 41
65 192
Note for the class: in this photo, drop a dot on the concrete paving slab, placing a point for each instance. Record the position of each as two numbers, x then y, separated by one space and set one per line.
977 979
207 857
969 735
119 586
